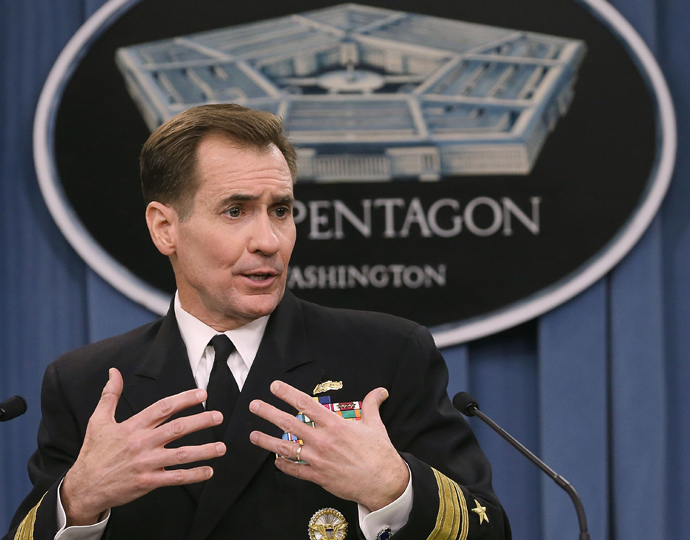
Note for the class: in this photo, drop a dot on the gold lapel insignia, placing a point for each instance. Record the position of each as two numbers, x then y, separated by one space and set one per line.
326 386
327 524
481 512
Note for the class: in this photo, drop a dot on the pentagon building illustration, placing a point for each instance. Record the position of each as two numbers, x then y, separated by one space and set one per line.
371 94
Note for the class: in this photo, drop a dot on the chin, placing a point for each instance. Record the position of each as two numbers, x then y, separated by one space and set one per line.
261 305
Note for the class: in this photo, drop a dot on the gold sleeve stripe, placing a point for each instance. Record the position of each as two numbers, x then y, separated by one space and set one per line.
25 531
452 521
463 508
448 519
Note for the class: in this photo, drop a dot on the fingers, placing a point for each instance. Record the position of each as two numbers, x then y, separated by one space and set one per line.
191 454
114 385
321 416
371 404
153 415
180 477
314 410
105 410
300 401
120 462
285 421
292 460
158 461
159 412
353 460
179 427
298 470
287 449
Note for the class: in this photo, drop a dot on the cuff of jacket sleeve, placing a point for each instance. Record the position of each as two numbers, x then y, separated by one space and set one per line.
445 510
440 508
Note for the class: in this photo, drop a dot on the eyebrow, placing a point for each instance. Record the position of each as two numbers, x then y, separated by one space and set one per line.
243 197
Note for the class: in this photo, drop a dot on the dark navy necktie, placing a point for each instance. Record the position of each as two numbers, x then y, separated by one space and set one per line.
222 388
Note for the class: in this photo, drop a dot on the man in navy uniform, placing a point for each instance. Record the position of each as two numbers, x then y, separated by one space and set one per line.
217 421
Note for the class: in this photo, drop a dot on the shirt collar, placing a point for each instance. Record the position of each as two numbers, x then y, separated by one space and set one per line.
197 334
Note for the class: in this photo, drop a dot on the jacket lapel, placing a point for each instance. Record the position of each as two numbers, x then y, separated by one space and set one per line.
165 371
283 355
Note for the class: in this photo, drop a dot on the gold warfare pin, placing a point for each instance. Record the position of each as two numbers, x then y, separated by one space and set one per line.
326 386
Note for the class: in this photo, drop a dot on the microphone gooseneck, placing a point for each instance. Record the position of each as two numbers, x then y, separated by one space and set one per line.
468 406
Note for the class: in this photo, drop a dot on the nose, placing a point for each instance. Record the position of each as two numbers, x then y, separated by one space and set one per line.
264 238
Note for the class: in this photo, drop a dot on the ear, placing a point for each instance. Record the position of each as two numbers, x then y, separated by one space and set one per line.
162 222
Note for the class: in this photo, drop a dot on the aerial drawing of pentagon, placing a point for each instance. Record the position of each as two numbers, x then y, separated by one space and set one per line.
370 94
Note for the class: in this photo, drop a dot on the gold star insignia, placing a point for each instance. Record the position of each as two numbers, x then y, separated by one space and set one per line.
481 512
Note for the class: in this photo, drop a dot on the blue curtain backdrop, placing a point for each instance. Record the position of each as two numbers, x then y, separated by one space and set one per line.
597 387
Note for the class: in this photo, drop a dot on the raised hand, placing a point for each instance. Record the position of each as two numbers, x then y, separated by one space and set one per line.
353 460
120 462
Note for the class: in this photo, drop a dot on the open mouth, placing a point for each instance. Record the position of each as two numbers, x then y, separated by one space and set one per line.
259 277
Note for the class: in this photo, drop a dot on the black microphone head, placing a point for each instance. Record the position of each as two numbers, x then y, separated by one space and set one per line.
11 408
465 403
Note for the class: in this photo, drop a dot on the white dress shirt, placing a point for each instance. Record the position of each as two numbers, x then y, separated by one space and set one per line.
196 336
247 339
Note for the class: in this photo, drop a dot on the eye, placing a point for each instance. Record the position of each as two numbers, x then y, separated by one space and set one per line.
283 211
234 212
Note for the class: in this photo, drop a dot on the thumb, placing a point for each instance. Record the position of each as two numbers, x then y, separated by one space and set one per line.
105 410
371 404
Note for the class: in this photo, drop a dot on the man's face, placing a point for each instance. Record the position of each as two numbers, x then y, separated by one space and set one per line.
231 254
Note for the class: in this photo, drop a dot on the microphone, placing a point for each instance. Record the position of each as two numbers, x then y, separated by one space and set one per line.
466 404
11 408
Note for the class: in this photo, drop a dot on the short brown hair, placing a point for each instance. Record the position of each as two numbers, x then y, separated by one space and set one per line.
168 158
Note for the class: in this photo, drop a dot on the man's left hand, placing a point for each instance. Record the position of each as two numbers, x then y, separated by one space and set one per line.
352 460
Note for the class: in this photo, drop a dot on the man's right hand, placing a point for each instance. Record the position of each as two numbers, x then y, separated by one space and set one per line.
121 462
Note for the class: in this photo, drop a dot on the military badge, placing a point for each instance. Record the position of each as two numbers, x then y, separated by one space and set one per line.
326 386
481 512
327 524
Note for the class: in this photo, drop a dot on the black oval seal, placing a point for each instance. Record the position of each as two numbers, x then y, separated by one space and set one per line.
467 165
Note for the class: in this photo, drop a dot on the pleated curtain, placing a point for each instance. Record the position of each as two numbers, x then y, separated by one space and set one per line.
598 387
